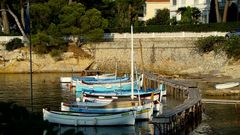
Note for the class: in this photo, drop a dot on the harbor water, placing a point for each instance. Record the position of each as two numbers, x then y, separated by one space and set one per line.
47 92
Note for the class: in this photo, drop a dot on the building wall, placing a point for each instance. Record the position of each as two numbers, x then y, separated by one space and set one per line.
202 5
152 7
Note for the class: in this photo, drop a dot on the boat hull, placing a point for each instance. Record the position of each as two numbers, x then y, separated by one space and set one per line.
80 86
226 85
83 119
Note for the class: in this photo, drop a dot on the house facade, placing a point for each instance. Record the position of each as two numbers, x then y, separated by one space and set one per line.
151 7
202 5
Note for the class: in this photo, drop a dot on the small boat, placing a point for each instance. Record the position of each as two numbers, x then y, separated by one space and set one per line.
96 77
109 96
226 85
109 81
104 87
85 119
144 108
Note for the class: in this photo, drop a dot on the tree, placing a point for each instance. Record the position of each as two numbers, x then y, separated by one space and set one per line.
41 14
218 16
22 12
162 17
127 12
93 24
75 21
4 19
189 15
227 5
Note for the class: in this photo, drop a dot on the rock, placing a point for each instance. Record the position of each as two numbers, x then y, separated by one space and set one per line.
67 55
202 129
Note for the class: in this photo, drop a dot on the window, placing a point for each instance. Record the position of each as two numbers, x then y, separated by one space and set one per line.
174 2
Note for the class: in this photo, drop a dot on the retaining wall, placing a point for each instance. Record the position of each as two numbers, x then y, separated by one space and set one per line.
175 55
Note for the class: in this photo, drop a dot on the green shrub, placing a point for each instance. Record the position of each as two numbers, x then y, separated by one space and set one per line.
14 44
221 27
211 43
232 47
218 44
56 54
44 43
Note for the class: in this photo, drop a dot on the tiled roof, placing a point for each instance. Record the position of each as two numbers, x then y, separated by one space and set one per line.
157 0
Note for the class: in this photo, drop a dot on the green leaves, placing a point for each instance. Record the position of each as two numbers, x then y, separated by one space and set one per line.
56 20
162 18
189 15
219 44
232 48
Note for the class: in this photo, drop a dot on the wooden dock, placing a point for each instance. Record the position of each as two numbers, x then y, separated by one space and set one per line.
172 120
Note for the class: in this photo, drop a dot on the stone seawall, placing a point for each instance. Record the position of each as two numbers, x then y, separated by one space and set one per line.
162 55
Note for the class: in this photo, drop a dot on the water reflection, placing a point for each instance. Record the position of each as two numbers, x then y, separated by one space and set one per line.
47 92
69 130
224 119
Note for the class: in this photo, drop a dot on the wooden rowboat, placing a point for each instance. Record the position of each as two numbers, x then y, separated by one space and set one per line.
84 119
107 87
92 78
144 108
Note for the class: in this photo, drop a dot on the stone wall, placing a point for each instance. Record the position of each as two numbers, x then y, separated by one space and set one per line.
162 55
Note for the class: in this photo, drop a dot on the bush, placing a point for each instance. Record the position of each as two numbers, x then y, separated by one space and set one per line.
211 43
56 54
218 44
232 47
14 44
44 43
221 27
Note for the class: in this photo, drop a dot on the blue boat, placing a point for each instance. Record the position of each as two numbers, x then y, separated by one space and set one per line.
107 80
105 87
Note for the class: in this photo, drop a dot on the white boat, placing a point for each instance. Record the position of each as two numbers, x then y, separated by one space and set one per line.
144 108
74 78
226 85
65 79
84 119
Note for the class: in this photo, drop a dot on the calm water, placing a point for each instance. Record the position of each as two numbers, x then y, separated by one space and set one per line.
219 119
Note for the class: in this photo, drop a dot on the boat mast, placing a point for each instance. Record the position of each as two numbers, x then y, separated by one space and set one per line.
132 72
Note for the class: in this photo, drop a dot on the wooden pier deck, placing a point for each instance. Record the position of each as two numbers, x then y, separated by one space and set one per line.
171 120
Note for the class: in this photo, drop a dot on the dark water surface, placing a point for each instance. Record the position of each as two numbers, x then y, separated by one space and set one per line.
47 92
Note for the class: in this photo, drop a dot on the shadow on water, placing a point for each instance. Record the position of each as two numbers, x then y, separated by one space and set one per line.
107 130
15 120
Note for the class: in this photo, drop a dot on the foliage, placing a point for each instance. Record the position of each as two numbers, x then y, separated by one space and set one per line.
40 14
43 43
126 12
220 27
74 20
162 17
232 47
56 54
70 19
211 43
189 15
14 44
